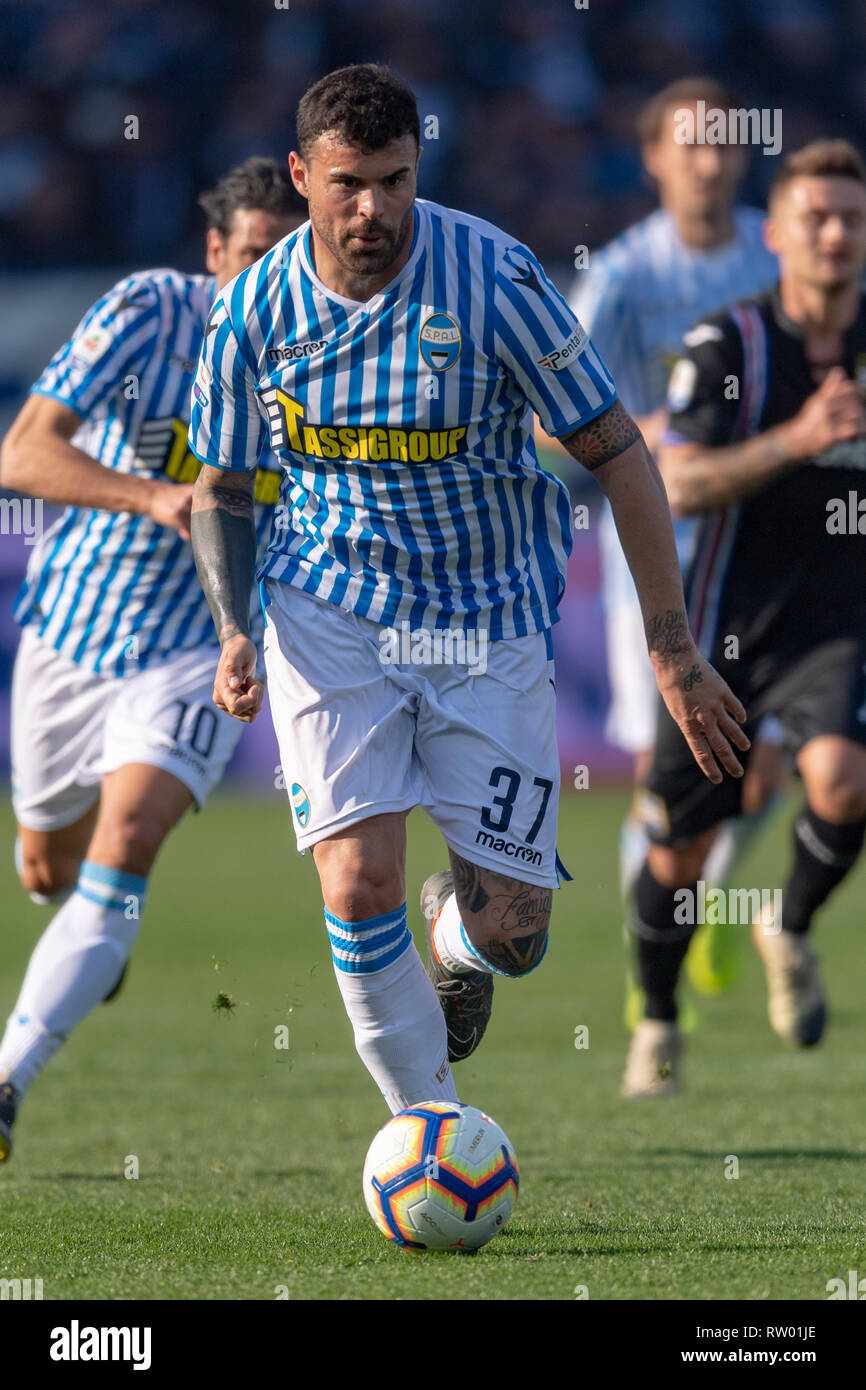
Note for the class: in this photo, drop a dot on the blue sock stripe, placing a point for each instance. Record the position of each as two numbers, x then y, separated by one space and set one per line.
348 947
371 965
113 878
359 928
363 948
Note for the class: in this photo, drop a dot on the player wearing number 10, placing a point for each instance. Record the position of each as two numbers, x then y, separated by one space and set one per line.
392 353
114 734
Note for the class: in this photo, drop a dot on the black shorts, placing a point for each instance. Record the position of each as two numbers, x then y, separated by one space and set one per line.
820 692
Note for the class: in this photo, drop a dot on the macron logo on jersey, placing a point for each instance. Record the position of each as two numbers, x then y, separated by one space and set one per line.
294 352
563 357
529 280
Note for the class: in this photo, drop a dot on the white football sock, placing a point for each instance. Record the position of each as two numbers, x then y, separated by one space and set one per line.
399 1026
76 962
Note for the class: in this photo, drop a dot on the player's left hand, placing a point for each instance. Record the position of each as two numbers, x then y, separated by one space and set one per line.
707 711
236 688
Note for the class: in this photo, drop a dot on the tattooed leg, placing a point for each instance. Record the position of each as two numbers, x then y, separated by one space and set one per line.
505 919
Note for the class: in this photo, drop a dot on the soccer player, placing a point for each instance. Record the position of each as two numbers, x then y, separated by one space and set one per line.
637 298
114 734
767 444
392 353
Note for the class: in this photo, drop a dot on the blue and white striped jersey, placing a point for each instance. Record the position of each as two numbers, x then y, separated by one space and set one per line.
638 297
111 590
412 491
642 292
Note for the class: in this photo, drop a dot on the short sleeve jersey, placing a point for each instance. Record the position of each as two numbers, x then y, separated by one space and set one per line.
411 490
112 590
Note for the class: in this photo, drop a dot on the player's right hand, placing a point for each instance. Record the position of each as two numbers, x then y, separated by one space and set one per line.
834 412
169 505
236 688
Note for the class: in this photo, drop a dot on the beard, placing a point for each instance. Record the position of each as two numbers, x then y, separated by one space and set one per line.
362 260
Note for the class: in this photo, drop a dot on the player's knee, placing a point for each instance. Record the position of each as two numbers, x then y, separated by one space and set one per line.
356 891
359 880
674 867
360 899
844 799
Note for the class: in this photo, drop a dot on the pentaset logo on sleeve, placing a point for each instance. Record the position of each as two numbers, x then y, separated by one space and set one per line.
565 355
440 341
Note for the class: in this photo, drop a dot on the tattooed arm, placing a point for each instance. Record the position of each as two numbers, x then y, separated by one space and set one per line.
698 699
224 545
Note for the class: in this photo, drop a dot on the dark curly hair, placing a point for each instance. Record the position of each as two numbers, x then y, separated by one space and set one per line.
365 104
263 185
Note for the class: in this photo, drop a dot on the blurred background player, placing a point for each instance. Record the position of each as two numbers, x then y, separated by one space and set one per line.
114 734
417 501
637 298
779 565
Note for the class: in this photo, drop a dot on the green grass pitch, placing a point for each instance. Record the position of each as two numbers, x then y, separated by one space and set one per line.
250 1157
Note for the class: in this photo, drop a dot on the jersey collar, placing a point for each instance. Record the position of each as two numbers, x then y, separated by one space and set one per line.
388 292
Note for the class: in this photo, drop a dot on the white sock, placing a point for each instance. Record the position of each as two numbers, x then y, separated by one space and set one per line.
452 945
634 845
41 899
733 838
399 1026
76 962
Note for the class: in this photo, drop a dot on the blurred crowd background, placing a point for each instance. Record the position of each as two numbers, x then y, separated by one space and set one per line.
535 103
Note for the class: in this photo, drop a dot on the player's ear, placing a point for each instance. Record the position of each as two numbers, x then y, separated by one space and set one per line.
770 232
215 250
298 171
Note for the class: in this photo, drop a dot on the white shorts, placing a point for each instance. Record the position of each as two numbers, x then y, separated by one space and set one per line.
71 727
360 737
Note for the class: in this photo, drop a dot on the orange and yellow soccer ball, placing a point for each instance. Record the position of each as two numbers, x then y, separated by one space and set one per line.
441 1176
